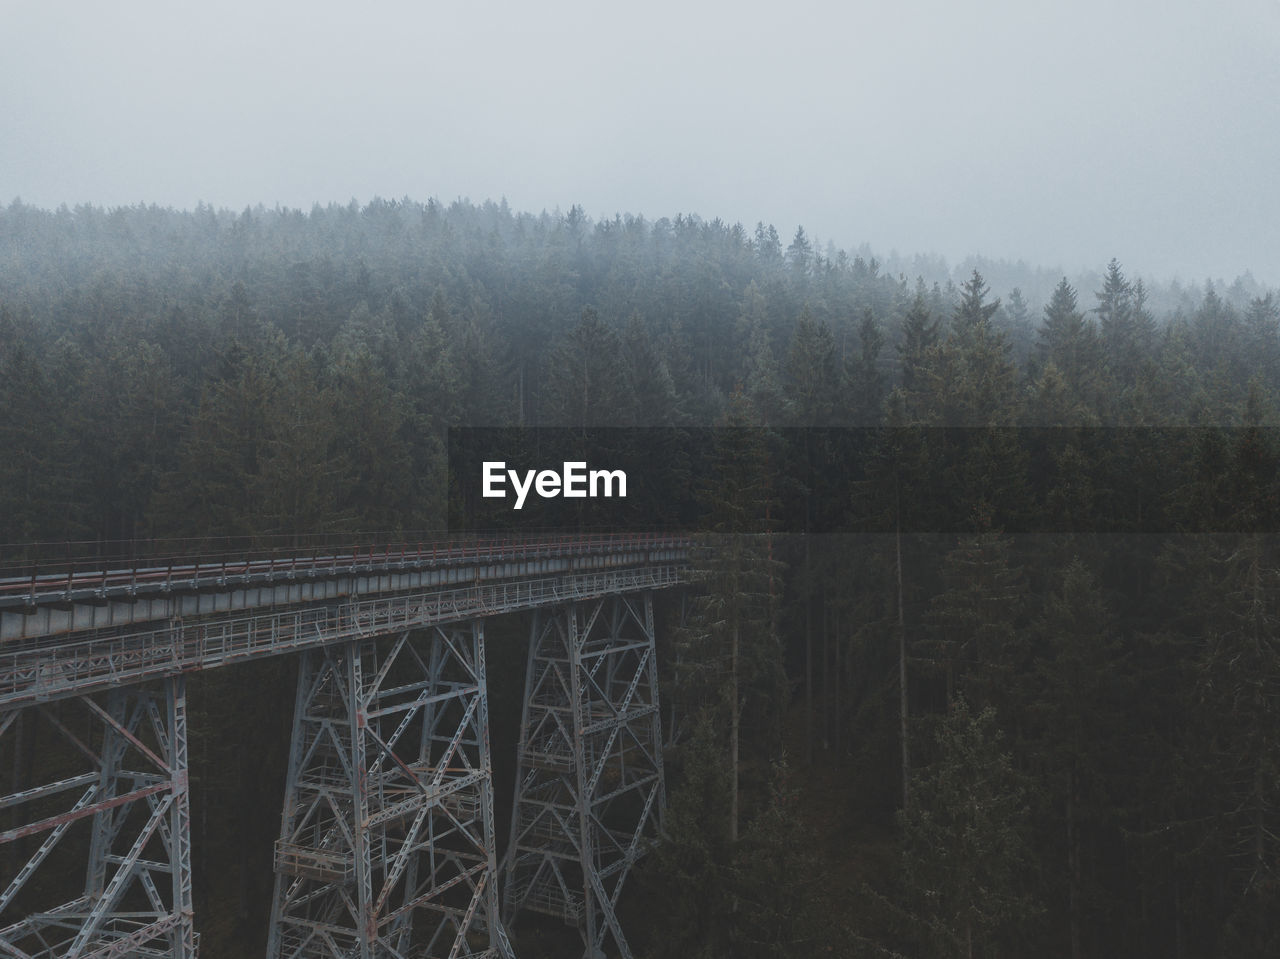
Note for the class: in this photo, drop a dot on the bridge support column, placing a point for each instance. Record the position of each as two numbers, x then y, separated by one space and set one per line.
387 838
589 788
122 791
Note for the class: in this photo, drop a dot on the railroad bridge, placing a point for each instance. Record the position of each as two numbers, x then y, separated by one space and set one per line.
387 842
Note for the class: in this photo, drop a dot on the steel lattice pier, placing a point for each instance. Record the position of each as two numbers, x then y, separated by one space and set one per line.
387 841
120 790
589 788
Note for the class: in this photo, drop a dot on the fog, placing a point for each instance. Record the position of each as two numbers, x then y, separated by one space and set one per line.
1059 134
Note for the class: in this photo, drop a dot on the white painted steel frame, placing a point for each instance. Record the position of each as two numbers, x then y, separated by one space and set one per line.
589 783
76 666
132 799
387 840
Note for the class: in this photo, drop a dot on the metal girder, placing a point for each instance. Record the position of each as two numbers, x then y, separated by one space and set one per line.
130 806
36 671
589 786
387 839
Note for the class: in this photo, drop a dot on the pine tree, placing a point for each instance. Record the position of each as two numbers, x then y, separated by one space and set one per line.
582 376
966 858
296 487
1261 336
689 874
768 245
1126 330
1240 690
919 336
1115 305
978 637
730 659
800 255
762 382
213 489
1074 698
973 311
1069 342
33 483
866 384
729 682
972 377
774 879
811 382
648 394
431 383
1238 676
368 415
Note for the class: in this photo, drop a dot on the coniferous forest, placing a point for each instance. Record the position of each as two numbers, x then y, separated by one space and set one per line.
1020 700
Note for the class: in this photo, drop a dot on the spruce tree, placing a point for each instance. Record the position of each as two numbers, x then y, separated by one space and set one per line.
966 858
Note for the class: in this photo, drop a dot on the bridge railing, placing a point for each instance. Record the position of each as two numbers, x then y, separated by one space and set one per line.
32 569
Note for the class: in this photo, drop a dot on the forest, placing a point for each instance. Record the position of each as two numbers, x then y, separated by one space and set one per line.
983 659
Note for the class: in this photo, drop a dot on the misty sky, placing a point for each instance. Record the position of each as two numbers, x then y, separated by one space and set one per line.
1059 133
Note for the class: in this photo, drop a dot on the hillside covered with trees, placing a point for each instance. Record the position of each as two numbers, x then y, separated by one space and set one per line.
1033 708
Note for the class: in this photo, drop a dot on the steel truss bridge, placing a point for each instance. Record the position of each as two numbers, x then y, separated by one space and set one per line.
387 843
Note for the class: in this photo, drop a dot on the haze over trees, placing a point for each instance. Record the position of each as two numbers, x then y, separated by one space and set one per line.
954 737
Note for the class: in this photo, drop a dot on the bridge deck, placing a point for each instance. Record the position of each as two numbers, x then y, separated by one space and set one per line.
71 633
31 583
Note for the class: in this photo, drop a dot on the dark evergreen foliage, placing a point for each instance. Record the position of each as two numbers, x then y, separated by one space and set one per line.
1093 719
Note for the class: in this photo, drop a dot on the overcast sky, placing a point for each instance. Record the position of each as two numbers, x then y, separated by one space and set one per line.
1059 133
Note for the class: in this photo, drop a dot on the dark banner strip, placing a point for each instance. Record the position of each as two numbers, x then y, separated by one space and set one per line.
918 480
